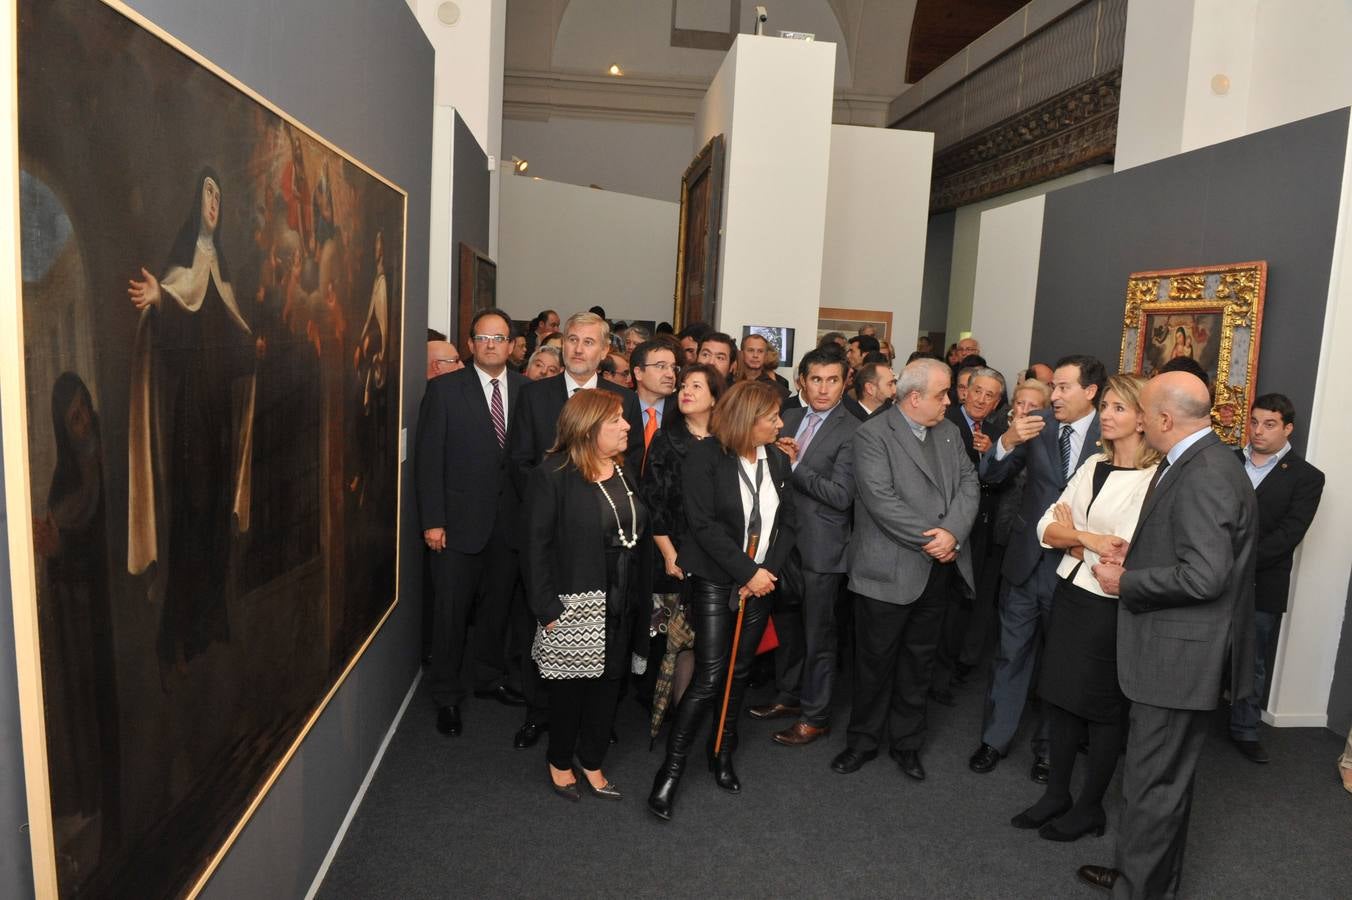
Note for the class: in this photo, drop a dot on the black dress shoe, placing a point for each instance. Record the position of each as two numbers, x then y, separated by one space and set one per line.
503 694
527 735
942 695
909 761
984 759
1050 832
1102 877
1252 751
1040 771
448 720
850 760
1032 817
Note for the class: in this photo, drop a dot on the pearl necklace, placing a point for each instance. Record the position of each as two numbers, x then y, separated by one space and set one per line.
630 542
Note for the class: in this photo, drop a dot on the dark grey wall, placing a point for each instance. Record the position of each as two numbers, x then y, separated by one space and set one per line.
469 210
1340 697
1273 195
360 73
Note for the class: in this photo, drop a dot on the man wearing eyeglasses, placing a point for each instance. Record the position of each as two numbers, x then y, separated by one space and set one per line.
442 357
466 507
654 367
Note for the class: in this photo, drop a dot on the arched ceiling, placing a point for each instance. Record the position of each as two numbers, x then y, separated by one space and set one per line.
942 28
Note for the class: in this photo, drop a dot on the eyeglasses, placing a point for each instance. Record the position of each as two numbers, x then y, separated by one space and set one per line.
444 361
491 338
661 367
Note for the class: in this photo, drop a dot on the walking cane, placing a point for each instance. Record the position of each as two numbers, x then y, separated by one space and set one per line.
752 540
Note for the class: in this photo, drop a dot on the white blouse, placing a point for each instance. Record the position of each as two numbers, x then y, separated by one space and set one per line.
1114 511
769 502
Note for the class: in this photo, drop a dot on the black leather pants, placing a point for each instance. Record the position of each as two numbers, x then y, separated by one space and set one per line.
713 621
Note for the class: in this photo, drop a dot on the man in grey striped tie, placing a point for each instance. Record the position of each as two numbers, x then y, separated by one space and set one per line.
465 507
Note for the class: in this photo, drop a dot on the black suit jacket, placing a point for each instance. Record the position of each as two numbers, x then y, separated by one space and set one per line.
535 426
857 410
460 475
1287 500
993 426
714 519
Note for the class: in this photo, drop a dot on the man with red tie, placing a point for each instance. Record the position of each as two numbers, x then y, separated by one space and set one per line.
654 368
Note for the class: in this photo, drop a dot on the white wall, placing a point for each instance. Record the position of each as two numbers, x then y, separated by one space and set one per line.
967 241
1284 59
772 100
877 202
568 248
1006 283
642 158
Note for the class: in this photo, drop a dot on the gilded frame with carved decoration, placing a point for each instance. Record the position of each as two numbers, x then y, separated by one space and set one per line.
1213 315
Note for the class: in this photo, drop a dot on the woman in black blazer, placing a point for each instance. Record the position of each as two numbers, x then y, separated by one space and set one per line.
728 484
584 523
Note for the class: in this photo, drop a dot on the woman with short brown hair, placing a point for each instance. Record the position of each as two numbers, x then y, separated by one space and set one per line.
584 521
740 529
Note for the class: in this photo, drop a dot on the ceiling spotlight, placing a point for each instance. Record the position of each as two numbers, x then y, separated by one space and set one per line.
519 165
615 69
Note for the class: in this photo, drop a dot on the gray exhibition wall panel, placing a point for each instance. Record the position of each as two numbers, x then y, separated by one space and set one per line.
1273 196
360 73
469 210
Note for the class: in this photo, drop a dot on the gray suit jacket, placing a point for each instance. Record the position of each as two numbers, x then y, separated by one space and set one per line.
898 497
824 482
1187 593
1042 458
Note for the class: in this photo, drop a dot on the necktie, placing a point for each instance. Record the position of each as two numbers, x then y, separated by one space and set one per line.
649 429
495 410
813 421
1154 480
976 426
1065 449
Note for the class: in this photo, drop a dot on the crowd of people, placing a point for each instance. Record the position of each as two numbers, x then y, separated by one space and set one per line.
631 513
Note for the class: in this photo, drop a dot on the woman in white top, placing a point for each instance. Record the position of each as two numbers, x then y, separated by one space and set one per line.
1093 519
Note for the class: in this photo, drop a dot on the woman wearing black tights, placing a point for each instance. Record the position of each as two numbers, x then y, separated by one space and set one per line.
1093 520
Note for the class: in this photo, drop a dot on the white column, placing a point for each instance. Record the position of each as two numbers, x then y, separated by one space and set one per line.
877 199
771 99
1006 283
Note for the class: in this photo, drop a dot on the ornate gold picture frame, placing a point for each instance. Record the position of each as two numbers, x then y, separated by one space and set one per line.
1212 315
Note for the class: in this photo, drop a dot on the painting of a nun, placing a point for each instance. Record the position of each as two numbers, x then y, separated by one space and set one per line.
191 420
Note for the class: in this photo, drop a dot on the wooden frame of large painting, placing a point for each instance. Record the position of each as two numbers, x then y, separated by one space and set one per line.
1212 315
202 411
697 237
478 289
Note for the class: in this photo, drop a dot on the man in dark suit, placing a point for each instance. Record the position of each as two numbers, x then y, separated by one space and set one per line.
586 340
979 428
1288 490
1051 455
916 497
875 388
466 507
817 439
1185 607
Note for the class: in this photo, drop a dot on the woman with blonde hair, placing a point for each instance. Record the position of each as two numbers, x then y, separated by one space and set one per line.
584 522
1092 520
739 531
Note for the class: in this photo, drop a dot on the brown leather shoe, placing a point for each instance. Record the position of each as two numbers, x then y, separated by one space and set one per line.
774 711
801 733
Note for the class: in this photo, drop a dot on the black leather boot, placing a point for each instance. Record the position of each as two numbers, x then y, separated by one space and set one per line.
725 776
663 795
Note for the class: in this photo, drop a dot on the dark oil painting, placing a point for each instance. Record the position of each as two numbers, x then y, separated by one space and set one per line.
212 302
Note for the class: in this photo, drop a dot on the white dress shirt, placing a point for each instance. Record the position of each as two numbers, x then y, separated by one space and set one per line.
1114 511
573 386
486 380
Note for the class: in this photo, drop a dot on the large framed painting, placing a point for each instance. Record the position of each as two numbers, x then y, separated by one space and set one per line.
1212 315
849 321
698 237
478 289
202 396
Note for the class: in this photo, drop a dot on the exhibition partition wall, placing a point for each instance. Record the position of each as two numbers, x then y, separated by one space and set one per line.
1277 195
353 149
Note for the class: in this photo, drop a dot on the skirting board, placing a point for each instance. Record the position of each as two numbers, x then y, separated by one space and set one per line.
361 792
1296 720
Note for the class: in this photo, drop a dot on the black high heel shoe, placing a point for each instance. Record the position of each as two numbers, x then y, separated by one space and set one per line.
566 791
607 791
1030 818
1049 832
725 776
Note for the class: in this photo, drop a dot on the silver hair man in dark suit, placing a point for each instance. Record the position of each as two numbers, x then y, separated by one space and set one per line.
916 497
1186 604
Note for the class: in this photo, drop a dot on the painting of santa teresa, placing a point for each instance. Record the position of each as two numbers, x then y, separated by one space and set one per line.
212 301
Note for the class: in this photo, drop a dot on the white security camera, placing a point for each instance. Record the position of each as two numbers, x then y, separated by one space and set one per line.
762 16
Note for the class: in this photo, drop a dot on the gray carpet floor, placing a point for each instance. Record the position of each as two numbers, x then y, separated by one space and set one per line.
471 817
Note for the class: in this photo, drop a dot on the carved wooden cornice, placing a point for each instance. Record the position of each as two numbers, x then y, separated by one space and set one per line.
1071 131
